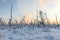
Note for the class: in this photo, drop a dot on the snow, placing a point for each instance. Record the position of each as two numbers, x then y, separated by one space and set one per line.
30 33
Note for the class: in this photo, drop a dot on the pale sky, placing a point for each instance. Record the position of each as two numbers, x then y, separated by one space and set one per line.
26 7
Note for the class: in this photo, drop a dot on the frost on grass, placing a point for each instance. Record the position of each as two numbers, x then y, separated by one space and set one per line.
29 33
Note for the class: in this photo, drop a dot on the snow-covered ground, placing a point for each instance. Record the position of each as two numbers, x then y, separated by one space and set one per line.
30 33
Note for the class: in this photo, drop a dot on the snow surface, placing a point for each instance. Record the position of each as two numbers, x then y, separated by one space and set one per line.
30 33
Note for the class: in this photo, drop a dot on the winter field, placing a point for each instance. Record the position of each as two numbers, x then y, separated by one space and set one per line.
29 33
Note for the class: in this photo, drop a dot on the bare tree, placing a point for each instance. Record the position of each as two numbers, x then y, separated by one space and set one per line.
37 20
41 17
10 20
23 21
56 21
47 18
